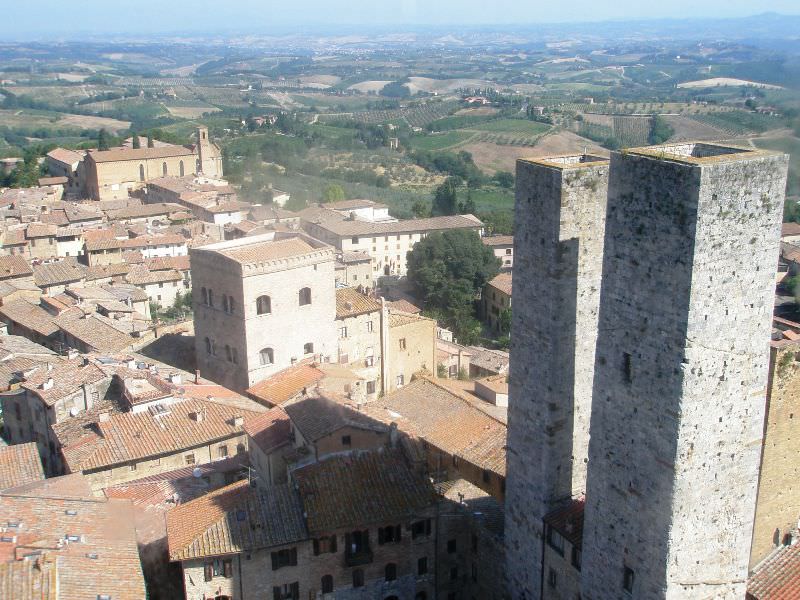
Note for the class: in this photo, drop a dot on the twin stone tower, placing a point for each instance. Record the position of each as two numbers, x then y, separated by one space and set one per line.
643 296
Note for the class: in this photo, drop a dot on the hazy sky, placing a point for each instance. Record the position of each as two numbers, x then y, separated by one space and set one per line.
56 16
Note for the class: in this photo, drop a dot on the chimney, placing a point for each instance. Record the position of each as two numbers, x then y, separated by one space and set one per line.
197 416
196 376
238 421
393 435
104 417
47 385
175 378
72 354
348 305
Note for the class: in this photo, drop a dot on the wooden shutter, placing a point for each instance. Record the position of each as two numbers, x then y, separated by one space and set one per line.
333 543
295 591
208 571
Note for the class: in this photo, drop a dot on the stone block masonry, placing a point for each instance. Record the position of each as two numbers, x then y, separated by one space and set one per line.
560 221
680 375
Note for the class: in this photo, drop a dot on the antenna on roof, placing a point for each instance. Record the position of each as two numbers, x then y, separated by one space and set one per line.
197 473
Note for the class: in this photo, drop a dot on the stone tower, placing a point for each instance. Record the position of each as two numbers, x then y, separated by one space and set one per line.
560 221
209 158
691 250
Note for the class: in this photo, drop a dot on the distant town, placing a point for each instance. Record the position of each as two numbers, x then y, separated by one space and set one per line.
257 337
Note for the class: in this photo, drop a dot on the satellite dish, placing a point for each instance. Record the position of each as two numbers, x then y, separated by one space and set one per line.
73 412
197 473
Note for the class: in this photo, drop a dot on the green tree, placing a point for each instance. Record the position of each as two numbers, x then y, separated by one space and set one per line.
333 193
660 130
468 206
444 199
421 209
447 269
137 143
505 321
150 142
102 140
504 179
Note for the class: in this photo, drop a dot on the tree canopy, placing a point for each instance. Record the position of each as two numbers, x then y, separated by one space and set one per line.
333 193
448 269
444 199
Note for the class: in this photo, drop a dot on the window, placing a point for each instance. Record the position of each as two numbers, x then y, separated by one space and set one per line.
161 285
288 591
370 387
190 459
555 540
211 298
225 303
355 239
267 356
263 305
369 326
508 250
474 573
389 535
304 296
343 332
552 578
358 578
284 558
627 580
400 381
228 353
453 573
181 169
402 343
132 467
451 546
474 543
204 293
487 476
420 528
141 172
327 584
164 170
346 441
576 557
422 565
390 572
222 451
208 345
308 348
627 369
325 545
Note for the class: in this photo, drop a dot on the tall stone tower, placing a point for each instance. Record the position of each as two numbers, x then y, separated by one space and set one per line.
560 221
209 158
691 250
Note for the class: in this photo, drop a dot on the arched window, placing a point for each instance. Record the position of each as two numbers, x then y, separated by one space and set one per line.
211 297
263 305
358 578
224 303
141 172
391 572
208 346
164 168
308 348
327 584
267 356
304 296
204 293
182 171
228 353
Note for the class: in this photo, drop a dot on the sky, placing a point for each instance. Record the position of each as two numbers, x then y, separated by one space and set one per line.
158 16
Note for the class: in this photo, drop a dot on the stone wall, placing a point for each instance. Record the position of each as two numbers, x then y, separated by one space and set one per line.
681 370
560 219
416 352
778 505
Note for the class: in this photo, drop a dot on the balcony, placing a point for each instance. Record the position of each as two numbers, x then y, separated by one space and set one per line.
358 558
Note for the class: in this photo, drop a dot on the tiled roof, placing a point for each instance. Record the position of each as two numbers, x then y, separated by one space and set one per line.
317 417
361 489
143 211
58 273
355 256
399 319
491 360
447 421
14 237
777 577
105 560
788 229
94 333
482 506
107 271
67 375
37 230
14 266
65 156
790 252
404 306
285 385
141 275
352 204
20 464
269 430
165 263
128 437
30 316
233 519
144 241
52 181
116 154
336 223
502 282
568 521
247 253
34 578
498 240
350 303
124 291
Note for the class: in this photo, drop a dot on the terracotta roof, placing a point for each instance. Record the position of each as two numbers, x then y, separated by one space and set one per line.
129 437
233 519
68 157
165 263
58 273
14 237
20 464
144 241
67 375
34 578
498 240
14 266
495 361
116 154
361 489
43 181
777 577
445 420
260 251
140 275
143 211
29 315
317 417
336 223
107 271
399 319
350 303
352 205
104 561
37 230
788 229
790 252
285 385
568 521
94 333
354 256
502 282
269 430
404 306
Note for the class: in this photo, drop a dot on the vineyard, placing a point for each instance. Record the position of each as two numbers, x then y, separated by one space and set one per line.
414 116
739 123
632 131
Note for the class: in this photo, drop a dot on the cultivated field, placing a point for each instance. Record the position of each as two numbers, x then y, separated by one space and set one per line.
727 82
443 86
366 87
191 112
